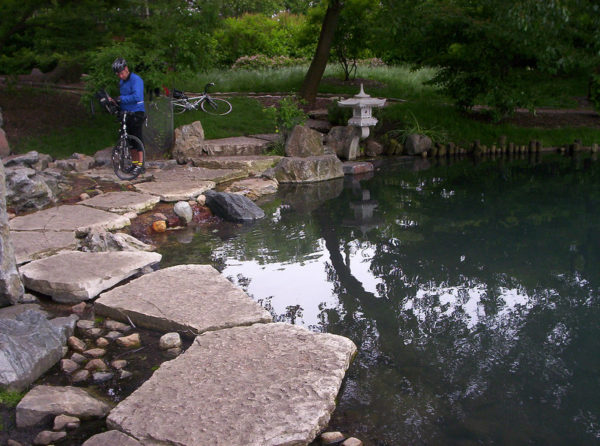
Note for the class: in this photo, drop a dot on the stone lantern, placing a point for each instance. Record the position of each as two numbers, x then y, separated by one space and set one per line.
362 105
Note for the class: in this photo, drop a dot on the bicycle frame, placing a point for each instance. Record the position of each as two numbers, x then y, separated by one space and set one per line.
194 103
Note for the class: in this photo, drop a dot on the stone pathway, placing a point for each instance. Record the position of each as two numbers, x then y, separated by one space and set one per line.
244 380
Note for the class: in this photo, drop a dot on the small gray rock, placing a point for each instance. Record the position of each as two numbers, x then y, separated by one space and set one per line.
183 210
49 437
169 340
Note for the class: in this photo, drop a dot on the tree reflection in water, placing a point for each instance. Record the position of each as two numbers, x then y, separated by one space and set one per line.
471 292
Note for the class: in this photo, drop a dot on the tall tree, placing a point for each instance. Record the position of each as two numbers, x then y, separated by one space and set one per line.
310 85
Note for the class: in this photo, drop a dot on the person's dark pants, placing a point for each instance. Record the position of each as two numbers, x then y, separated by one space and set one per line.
135 122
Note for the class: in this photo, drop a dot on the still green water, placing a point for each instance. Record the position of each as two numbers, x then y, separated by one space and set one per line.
471 290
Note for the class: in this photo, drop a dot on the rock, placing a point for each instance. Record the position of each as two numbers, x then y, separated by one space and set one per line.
103 157
417 144
173 352
232 207
133 340
266 384
13 443
111 325
331 438
68 365
79 308
31 344
113 335
122 202
253 188
187 139
49 437
74 276
344 141
11 287
28 159
94 332
4 146
169 340
304 142
183 210
85 324
111 438
307 170
104 241
320 125
96 364
27 190
76 344
124 374
100 377
84 196
78 358
102 342
80 376
95 352
373 148
77 163
43 402
159 226
148 301
352 442
65 422
201 200
119 364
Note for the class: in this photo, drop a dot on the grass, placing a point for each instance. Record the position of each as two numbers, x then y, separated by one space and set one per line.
10 398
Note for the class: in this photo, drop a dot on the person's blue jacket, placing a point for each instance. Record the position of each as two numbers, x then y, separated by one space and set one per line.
132 93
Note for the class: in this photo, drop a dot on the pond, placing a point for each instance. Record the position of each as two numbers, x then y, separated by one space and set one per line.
472 291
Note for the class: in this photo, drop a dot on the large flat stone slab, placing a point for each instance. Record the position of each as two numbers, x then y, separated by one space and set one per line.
35 245
199 174
263 385
175 190
122 202
249 164
190 299
234 146
76 218
76 276
45 402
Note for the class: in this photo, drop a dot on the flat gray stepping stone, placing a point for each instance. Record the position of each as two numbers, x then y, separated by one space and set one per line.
263 385
234 146
34 245
76 218
248 164
122 202
111 438
45 402
190 299
175 191
76 276
196 174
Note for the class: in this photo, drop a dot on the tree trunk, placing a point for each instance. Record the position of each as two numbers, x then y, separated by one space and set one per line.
310 85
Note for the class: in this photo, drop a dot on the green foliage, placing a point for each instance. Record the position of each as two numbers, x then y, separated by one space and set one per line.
337 115
254 34
288 114
411 126
10 398
261 62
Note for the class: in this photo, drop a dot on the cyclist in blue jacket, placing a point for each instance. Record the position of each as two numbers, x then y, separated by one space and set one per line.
131 99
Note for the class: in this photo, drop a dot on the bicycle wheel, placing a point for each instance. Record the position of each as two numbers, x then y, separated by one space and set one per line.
122 161
216 106
179 106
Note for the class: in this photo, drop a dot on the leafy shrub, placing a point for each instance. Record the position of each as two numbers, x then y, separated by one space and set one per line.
287 115
259 34
10 398
260 61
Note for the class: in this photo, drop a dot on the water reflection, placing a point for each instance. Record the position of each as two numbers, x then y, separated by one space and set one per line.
471 292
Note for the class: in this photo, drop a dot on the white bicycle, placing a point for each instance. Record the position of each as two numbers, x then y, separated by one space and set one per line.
212 106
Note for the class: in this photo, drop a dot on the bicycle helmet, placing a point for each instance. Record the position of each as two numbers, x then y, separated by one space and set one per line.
119 65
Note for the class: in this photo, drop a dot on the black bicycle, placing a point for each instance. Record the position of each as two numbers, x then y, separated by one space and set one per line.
122 161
